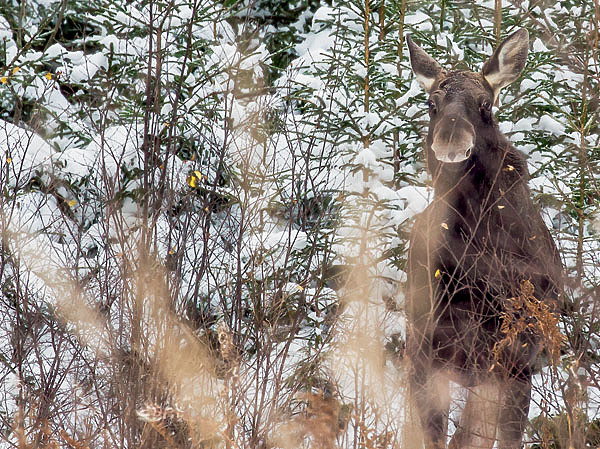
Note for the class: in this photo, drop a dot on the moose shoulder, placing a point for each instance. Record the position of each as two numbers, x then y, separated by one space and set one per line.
471 251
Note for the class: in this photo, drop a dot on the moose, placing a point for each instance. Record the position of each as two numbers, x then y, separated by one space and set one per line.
471 251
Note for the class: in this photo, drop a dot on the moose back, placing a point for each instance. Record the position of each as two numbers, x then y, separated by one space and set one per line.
473 252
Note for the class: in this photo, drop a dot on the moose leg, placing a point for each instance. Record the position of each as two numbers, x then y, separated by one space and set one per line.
431 396
479 419
513 416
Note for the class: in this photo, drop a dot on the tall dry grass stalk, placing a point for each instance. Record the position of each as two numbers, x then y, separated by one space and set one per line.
173 363
497 21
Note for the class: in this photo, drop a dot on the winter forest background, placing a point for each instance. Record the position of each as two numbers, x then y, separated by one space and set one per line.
205 208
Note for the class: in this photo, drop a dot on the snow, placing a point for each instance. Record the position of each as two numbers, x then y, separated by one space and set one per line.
414 90
417 198
570 78
117 146
413 110
305 195
47 3
525 124
315 47
366 158
323 14
28 151
443 40
538 46
505 127
5 32
527 84
418 17
88 67
552 125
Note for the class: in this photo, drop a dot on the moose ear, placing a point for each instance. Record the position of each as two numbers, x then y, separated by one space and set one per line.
507 62
425 67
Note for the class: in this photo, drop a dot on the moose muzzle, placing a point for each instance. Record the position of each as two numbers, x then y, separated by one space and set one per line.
453 139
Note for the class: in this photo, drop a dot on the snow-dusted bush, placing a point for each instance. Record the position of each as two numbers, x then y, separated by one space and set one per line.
206 207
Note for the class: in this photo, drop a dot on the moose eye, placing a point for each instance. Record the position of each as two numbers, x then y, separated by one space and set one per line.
432 106
485 108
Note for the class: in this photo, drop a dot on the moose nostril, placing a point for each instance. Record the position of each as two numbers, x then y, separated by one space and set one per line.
468 153
451 156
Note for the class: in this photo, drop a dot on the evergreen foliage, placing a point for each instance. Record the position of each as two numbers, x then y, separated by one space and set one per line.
205 209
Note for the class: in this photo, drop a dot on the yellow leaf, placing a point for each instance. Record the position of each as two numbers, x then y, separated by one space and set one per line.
8 160
4 80
501 207
15 70
48 76
300 288
198 175
438 273
72 203
510 167
171 252
445 226
191 181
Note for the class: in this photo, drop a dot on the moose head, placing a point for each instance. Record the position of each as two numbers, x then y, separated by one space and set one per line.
460 103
